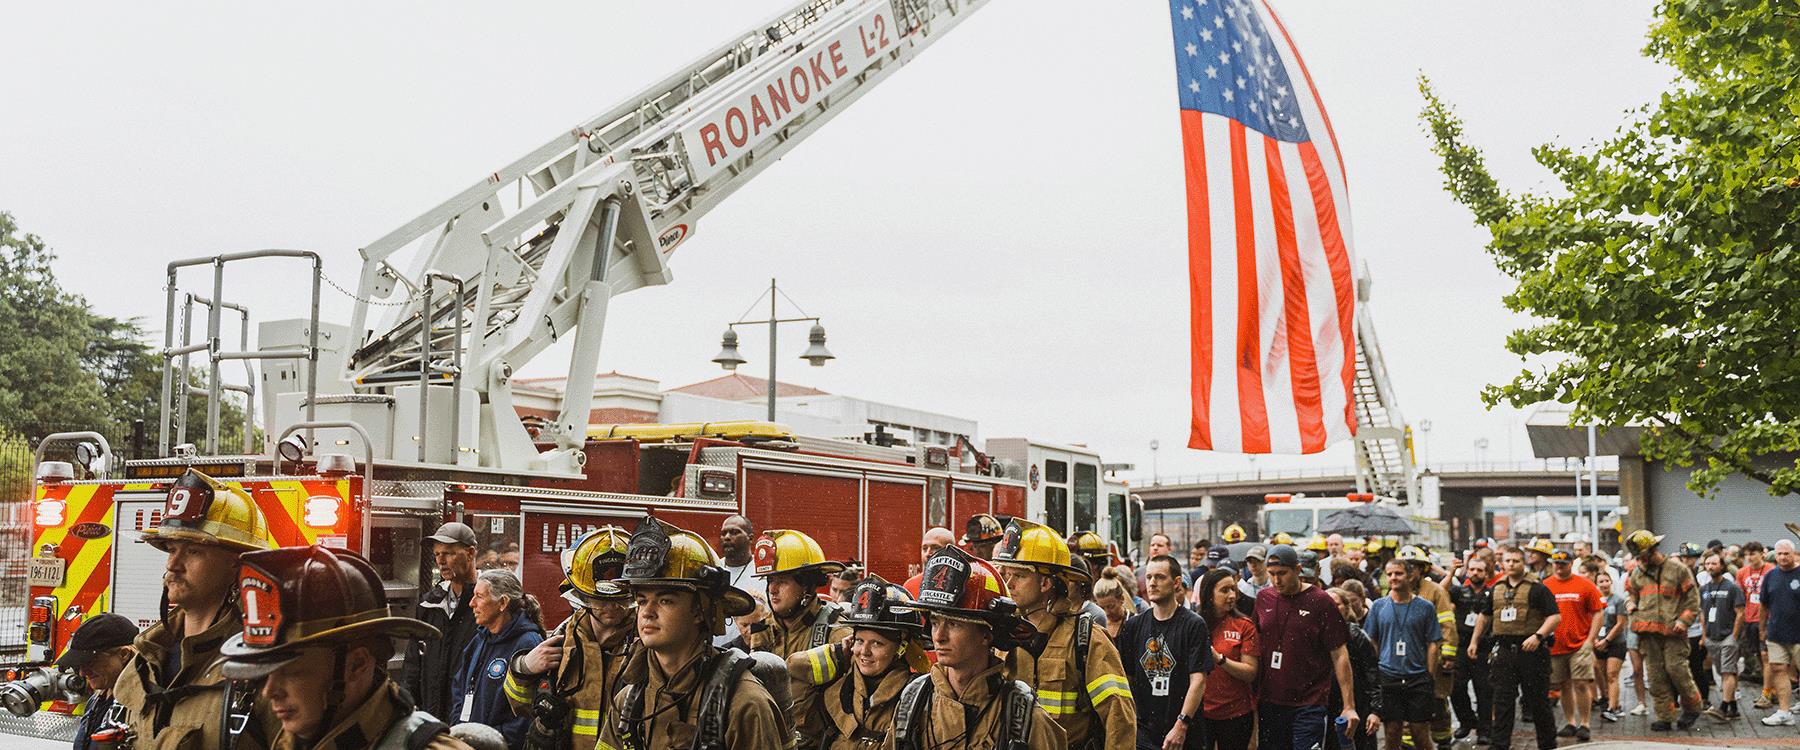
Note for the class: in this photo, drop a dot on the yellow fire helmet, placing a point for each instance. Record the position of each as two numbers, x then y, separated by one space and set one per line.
790 552
593 564
1353 544
1543 546
1316 543
1234 534
662 556
1034 546
1642 541
1413 553
204 510
1087 544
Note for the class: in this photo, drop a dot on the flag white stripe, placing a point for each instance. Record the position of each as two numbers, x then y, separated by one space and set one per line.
1321 300
1222 405
1272 343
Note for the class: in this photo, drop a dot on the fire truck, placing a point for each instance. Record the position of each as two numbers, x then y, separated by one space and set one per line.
375 432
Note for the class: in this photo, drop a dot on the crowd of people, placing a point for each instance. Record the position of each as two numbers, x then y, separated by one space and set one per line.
1012 636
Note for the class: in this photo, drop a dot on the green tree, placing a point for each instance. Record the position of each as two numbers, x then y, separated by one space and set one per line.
63 367
1663 271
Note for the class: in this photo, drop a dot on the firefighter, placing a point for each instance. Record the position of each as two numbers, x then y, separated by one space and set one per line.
794 568
1521 615
1418 573
968 701
1537 558
1662 599
859 680
317 633
1078 676
1282 537
1089 546
566 683
679 690
1234 534
981 533
172 694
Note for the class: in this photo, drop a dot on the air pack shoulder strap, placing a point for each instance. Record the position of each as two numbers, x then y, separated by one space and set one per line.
909 711
1020 702
821 629
413 732
631 712
715 699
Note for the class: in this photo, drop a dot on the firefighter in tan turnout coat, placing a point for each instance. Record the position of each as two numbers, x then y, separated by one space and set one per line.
678 690
1663 601
317 633
968 700
1079 678
794 568
566 683
171 695
859 680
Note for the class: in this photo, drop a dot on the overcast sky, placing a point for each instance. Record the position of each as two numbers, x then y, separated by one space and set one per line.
995 233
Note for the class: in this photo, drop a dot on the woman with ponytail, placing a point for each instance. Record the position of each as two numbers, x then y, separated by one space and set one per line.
507 622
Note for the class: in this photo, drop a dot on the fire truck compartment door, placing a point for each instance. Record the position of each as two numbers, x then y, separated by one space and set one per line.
137 567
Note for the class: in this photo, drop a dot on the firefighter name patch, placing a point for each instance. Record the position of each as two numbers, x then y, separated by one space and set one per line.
496 669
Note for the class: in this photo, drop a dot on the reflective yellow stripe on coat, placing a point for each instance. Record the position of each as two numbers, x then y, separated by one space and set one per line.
1107 686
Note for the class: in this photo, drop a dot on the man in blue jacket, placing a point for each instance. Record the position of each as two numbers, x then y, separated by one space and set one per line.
506 623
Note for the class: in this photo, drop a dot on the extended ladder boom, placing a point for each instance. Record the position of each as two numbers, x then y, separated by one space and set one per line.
605 205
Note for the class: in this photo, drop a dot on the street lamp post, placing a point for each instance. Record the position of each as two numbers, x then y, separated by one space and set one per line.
1155 478
815 354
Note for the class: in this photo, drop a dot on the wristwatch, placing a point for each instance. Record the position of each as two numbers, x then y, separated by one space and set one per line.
1184 718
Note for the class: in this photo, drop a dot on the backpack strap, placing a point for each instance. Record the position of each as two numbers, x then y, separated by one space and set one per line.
1015 731
715 698
909 712
412 732
630 714
821 629
1084 637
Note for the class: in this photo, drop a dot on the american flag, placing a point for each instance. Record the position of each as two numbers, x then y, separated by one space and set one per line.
1269 255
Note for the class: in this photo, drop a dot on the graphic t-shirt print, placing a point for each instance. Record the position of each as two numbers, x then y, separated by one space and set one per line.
1158 664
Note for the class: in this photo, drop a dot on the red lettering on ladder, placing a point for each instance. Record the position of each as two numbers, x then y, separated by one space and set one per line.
818 71
709 138
778 99
800 85
759 117
740 134
837 59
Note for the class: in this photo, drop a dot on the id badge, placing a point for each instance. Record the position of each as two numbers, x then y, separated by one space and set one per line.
1469 620
468 708
1275 660
1712 615
1509 614
1399 648
1159 685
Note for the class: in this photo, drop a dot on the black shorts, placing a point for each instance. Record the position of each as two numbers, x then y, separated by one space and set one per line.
1408 698
1614 650
1750 640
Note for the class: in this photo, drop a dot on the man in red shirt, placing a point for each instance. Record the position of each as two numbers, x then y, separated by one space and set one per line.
1572 653
1749 578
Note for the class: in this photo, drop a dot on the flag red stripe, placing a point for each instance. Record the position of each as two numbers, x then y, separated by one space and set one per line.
1199 278
1254 412
1303 366
1337 257
1311 89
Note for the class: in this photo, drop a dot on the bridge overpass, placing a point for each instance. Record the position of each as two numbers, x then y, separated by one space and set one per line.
1202 505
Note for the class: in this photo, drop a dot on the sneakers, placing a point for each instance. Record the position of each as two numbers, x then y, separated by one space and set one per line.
1764 702
1611 715
1582 734
1687 719
1568 730
1779 719
1465 731
1640 710
1717 713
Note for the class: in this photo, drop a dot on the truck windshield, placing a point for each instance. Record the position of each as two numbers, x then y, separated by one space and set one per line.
1294 521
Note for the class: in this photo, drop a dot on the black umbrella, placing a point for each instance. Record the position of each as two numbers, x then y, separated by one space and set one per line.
1365 520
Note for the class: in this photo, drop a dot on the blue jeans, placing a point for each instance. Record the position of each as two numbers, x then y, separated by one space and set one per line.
1290 727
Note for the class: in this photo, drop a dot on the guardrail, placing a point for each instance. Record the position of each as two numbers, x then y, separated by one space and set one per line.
1605 465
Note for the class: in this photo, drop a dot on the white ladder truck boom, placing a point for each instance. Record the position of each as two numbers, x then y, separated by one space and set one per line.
1384 459
603 207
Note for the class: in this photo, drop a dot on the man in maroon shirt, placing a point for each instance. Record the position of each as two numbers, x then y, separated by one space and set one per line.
1303 637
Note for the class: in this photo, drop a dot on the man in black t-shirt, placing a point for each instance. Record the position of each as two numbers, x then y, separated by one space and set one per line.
1167 652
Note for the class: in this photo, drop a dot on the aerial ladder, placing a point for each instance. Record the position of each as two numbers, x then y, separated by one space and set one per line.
1383 443
431 348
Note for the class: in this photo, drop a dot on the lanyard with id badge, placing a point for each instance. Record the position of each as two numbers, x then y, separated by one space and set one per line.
1510 612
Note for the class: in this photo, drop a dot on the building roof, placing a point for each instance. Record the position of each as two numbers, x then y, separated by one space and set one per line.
735 387
1553 437
556 384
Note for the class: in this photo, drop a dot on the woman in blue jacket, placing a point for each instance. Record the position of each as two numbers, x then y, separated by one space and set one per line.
506 623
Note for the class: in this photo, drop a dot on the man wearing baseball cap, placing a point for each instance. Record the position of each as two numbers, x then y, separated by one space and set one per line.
98 651
431 664
1254 580
1303 644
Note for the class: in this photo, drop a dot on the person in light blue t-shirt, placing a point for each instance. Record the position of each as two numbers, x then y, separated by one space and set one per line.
1405 631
